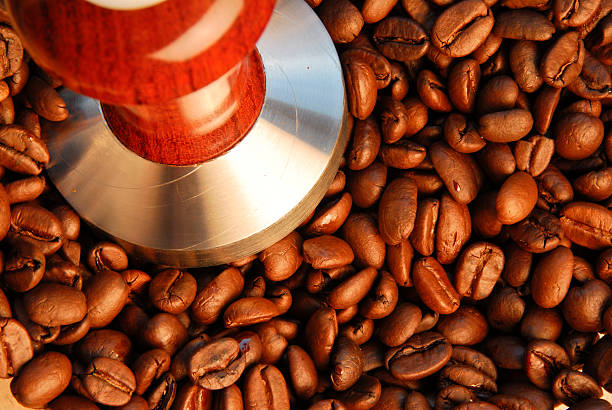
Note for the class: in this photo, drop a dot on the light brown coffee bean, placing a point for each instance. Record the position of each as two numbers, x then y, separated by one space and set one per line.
42 379
282 259
397 210
360 231
505 126
523 24
459 172
462 28
516 198
551 278
562 62
433 286
327 252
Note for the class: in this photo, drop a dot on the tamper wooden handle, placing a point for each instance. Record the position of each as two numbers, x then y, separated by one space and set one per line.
180 79
139 51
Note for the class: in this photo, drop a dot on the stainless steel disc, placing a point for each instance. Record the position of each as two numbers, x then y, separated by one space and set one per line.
238 203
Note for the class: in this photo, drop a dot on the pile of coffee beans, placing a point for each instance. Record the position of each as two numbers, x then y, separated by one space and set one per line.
461 259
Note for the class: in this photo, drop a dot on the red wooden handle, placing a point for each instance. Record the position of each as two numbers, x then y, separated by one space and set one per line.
139 51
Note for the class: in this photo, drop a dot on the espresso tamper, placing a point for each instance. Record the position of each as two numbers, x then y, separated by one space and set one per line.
200 131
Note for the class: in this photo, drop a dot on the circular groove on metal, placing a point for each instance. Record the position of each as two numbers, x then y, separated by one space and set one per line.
239 203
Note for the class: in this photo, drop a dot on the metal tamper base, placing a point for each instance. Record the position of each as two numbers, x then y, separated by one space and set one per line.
238 203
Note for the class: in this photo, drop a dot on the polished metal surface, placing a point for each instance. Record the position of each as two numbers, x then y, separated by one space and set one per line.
238 203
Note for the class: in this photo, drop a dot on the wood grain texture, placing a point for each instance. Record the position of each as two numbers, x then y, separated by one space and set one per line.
162 134
113 55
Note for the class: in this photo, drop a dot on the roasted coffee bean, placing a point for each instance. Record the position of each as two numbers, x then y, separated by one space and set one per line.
539 323
597 363
365 144
587 224
539 398
595 185
360 231
423 234
148 367
505 126
488 48
578 135
106 293
321 332
361 87
382 298
42 379
172 290
562 62
498 94
604 266
265 388
401 39
24 267
282 259
26 189
397 210
164 331
342 20
463 81
337 185
538 233
433 286
432 91
516 198
543 360
462 28
569 14
398 327
107 256
594 81
508 352
363 395
551 278
459 172
399 261
302 372
524 62
451 397
216 295
534 154
484 216
104 343
461 135
523 24
359 330
583 307
478 269
592 404
376 10
399 82
517 265
37 226
420 356
107 381
466 326
497 161
571 386
52 304
346 362
452 230
403 154
45 101
67 402
505 309
16 349
362 50
249 311
554 189
217 364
